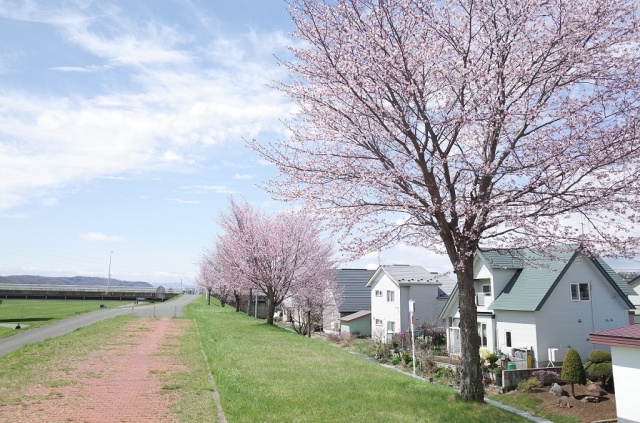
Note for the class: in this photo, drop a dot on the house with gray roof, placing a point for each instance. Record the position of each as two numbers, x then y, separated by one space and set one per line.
393 286
635 285
533 307
355 297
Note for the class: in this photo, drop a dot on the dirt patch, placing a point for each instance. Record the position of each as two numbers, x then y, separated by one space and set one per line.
587 412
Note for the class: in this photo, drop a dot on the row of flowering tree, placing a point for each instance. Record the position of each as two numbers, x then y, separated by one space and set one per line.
285 257
451 123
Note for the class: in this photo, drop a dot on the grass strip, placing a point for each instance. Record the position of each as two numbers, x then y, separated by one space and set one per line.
35 313
268 374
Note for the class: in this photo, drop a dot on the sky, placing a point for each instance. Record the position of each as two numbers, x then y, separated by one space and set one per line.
123 128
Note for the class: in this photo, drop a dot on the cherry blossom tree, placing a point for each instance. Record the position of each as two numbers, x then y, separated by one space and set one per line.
451 123
283 256
209 278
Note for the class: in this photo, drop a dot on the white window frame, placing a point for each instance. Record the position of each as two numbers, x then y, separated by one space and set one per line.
486 289
378 322
508 338
391 295
391 327
482 333
577 293
378 293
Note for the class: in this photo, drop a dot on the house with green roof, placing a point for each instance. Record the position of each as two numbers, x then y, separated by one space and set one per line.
533 307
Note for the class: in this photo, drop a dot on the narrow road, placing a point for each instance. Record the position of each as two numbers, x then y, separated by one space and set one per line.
162 310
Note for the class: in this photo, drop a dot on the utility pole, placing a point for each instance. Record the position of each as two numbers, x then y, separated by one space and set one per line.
109 279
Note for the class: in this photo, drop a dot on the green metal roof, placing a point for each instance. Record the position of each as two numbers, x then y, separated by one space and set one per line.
537 275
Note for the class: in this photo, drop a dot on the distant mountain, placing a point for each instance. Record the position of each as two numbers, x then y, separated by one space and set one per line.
74 280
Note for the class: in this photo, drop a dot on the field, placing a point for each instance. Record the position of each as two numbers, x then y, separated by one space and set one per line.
35 313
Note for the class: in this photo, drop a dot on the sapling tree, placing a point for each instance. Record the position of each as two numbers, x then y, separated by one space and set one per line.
283 256
447 124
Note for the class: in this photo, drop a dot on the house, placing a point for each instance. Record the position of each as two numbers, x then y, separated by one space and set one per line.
358 323
356 297
391 289
625 355
635 299
534 307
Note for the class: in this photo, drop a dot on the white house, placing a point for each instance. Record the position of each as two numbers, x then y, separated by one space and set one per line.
533 308
391 289
625 356
635 285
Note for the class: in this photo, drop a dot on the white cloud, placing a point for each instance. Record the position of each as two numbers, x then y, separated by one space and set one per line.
178 201
207 189
100 237
50 201
175 106
243 177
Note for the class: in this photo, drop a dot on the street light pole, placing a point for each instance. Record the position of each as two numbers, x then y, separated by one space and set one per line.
109 279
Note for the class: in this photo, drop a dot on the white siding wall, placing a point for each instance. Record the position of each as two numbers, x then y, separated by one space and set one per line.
626 373
383 309
563 322
427 305
522 326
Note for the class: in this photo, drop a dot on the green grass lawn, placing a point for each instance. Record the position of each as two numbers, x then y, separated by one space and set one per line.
35 313
268 374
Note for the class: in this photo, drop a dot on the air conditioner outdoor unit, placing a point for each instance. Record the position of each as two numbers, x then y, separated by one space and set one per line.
557 355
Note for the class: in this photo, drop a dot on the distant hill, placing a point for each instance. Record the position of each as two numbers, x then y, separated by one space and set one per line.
74 280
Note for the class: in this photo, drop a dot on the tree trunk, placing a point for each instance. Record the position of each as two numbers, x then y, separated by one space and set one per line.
309 323
249 302
209 298
271 307
471 381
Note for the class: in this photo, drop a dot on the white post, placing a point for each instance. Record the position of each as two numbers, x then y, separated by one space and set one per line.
412 309
109 279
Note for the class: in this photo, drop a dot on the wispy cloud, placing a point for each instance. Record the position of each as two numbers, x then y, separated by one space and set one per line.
243 177
178 201
176 101
208 189
100 237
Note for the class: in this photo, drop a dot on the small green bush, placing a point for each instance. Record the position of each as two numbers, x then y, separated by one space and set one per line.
573 370
529 385
395 360
599 366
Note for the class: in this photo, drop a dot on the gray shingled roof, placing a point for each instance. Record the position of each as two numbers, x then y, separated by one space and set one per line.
537 275
410 275
356 295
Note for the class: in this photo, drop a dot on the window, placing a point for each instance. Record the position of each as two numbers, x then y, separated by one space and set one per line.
378 322
507 336
580 292
391 295
391 326
486 289
482 332
378 293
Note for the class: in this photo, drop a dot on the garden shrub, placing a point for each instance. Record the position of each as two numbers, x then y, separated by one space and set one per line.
599 366
529 385
573 370
546 377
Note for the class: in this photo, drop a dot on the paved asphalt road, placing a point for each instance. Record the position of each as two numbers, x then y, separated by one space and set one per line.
167 309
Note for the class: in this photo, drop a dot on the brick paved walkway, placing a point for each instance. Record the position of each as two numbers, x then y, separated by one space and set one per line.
119 382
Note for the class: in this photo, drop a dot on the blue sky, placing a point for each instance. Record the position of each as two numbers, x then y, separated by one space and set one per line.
122 127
